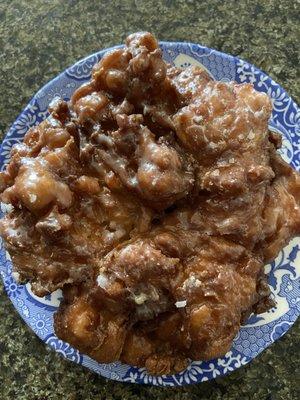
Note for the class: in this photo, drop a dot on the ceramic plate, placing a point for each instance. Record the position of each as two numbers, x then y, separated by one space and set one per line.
284 273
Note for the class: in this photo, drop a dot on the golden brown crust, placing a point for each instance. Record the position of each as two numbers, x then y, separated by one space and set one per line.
153 199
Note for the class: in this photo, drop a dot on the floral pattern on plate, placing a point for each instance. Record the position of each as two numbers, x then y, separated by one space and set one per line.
284 273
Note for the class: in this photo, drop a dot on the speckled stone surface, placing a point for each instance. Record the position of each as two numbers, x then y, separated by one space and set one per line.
38 39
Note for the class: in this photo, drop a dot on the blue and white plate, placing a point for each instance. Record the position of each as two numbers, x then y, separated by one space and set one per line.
284 273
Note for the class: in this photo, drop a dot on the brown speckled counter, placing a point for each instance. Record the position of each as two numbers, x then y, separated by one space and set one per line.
38 39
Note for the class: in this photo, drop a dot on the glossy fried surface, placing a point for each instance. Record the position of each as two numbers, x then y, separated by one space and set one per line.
153 199
64 216
175 295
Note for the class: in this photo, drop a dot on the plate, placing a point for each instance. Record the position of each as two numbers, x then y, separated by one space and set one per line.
284 273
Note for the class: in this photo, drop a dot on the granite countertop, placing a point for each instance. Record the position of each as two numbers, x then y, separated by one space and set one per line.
38 39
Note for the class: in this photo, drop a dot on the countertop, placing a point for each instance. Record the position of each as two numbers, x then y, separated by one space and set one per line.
38 39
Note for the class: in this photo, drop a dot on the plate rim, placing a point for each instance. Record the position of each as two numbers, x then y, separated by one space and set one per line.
100 53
